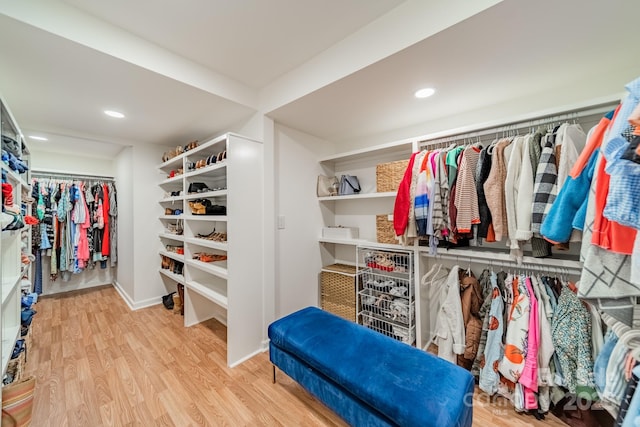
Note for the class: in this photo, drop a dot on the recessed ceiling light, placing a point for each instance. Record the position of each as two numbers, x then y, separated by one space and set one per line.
116 114
425 92
38 138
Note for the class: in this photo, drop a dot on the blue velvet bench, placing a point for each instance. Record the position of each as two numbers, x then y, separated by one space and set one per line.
367 378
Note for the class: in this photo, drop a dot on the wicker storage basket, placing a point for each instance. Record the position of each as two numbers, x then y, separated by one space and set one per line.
338 286
389 175
385 232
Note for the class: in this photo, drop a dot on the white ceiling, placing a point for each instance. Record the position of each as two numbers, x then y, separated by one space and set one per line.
251 41
341 70
568 52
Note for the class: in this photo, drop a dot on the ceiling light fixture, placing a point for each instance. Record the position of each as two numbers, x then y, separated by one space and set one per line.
38 138
116 114
425 92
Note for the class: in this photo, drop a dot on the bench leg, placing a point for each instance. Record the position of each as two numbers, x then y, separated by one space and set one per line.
274 373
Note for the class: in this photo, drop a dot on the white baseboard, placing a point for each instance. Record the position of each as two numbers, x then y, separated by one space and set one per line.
244 359
135 305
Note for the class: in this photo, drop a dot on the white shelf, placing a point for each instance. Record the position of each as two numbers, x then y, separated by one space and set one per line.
207 243
176 237
172 255
379 150
172 199
205 217
175 277
212 268
360 196
208 293
205 146
8 343
217 193
175 179
8 286
181 216
349 242
14 176
10 234
206 169
171 163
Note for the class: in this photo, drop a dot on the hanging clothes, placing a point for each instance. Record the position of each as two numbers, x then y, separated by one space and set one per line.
493 352
494 190
73 225
545 188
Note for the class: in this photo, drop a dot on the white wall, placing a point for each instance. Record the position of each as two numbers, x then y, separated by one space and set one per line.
124 179
69 163
252 128
298 257
148 285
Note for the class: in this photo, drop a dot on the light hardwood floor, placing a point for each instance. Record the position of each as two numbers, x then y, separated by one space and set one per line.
97 363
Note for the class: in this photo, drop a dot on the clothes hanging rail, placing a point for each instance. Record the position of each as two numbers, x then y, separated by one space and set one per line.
551 265
513 127
629 336
37 173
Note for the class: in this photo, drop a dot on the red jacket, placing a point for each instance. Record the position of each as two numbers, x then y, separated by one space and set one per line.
403 200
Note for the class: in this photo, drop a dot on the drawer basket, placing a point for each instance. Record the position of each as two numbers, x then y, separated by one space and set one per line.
338 290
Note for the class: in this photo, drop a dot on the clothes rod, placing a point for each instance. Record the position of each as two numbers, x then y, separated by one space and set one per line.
68 175
504 260
517 125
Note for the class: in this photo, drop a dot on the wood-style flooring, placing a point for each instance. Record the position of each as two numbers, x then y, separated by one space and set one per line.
98 363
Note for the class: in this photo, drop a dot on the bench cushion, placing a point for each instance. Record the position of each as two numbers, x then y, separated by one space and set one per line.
407 385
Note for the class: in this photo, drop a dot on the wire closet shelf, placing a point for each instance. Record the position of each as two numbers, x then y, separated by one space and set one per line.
386 295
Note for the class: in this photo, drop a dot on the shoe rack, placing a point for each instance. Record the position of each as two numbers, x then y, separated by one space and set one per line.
213 238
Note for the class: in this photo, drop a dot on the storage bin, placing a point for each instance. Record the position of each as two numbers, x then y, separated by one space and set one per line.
384 229
389 175
340 232
338 287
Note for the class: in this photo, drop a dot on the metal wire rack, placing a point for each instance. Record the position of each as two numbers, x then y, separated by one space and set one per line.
386 300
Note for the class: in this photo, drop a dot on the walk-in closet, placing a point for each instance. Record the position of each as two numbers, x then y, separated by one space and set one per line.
185 184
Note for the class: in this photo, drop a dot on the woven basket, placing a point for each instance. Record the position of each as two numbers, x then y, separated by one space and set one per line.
385 232
389 175
338 290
